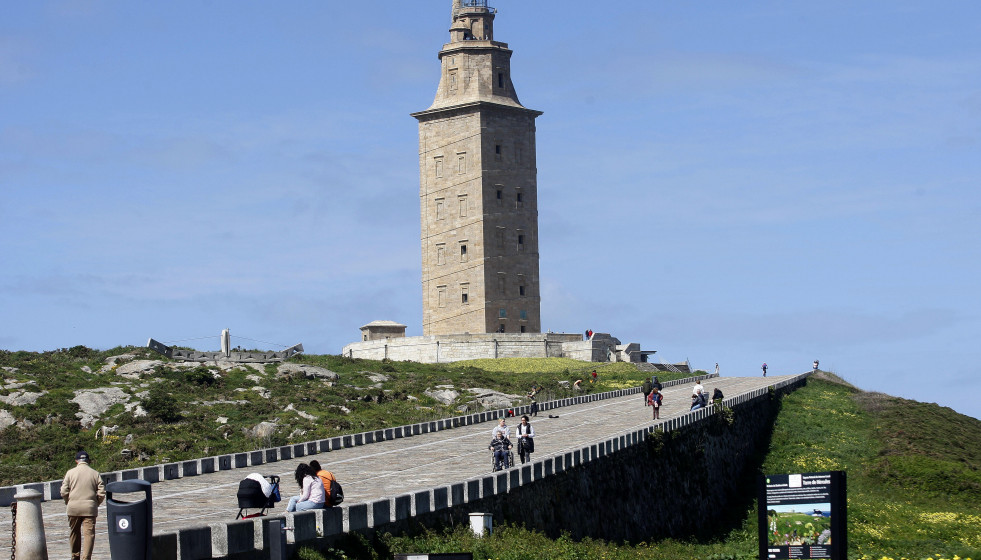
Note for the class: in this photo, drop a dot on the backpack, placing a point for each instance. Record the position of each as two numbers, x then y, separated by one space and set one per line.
336 493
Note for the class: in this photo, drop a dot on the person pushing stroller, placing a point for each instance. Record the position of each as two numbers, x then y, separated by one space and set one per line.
501 446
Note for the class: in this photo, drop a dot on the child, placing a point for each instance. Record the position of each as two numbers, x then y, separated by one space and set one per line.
655 399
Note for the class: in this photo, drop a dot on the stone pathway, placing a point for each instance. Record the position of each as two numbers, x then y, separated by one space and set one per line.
388 468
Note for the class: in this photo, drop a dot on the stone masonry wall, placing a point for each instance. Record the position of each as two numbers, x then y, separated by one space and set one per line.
641 486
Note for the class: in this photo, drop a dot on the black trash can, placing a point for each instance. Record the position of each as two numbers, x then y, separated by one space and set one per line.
130 523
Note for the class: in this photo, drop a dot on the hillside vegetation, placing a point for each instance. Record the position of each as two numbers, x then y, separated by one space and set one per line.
914 469
913 473
162 411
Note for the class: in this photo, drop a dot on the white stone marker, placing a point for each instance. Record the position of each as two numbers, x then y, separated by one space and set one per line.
31 544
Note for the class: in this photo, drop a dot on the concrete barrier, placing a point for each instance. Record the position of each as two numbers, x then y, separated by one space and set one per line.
194 544
233 538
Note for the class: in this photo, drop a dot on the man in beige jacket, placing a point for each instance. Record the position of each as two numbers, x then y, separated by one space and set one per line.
83 491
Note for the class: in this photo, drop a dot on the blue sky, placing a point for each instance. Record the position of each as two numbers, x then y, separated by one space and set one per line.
722 182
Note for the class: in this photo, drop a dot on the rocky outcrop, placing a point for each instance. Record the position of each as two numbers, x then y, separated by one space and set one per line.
310 372
21 398
95 402
6 419
488 398
262 430
300 413
133 370
114 361
445 394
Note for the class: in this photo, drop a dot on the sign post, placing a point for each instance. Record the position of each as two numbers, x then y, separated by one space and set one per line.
803 516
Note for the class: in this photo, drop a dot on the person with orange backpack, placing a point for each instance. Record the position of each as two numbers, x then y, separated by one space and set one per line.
331 488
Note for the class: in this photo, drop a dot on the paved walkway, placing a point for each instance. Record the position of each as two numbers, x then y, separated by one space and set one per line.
388 468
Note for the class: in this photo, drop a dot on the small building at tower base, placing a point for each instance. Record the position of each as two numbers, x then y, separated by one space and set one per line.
601 347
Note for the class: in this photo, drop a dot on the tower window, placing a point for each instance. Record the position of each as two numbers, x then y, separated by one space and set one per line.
521 290
523 328
501 284
463 205
500 79
461 163
441 253
523 314
439 209
504 313
441 296
500 197
521 242
439 167
464 294
519 199
463 252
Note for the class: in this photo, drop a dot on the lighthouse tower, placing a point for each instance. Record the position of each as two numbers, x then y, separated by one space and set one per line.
478 188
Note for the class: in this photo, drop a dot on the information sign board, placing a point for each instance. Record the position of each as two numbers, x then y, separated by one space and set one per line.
803 516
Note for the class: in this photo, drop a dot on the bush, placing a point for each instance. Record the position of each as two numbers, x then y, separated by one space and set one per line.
161 405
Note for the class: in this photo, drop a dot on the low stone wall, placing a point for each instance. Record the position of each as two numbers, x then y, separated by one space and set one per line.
453 348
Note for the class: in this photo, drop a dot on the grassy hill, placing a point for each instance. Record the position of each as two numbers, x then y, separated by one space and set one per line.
913 486
914 469
196 411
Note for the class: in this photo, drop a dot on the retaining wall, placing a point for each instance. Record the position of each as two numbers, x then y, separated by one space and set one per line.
698 460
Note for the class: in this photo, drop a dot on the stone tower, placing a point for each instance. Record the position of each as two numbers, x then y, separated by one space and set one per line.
478 188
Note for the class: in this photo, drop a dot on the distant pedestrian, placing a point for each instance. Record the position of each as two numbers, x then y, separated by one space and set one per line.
698 388
534 402
815 366
717 396
656 384
717 368
646 388
594 376
526 440
656 398
764 369
83 492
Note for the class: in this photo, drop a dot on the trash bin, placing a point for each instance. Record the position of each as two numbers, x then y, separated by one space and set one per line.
130 523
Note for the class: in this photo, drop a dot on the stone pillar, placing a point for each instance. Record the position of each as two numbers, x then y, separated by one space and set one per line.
29 538
481 524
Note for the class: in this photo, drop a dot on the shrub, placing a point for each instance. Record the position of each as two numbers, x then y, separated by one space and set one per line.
161 405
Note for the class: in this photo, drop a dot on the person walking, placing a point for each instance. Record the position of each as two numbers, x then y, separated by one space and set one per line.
656 398
764 369
816 363
646 388
83 492
526 440
716 368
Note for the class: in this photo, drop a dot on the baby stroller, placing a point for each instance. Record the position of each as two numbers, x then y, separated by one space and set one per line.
251 496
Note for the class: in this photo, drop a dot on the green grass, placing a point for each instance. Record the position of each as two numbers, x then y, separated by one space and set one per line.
885 444
914 469
184 405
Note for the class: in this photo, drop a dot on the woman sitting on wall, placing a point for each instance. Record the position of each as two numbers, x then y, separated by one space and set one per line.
312 495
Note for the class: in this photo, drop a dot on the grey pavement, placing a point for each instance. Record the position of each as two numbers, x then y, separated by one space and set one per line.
388 468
